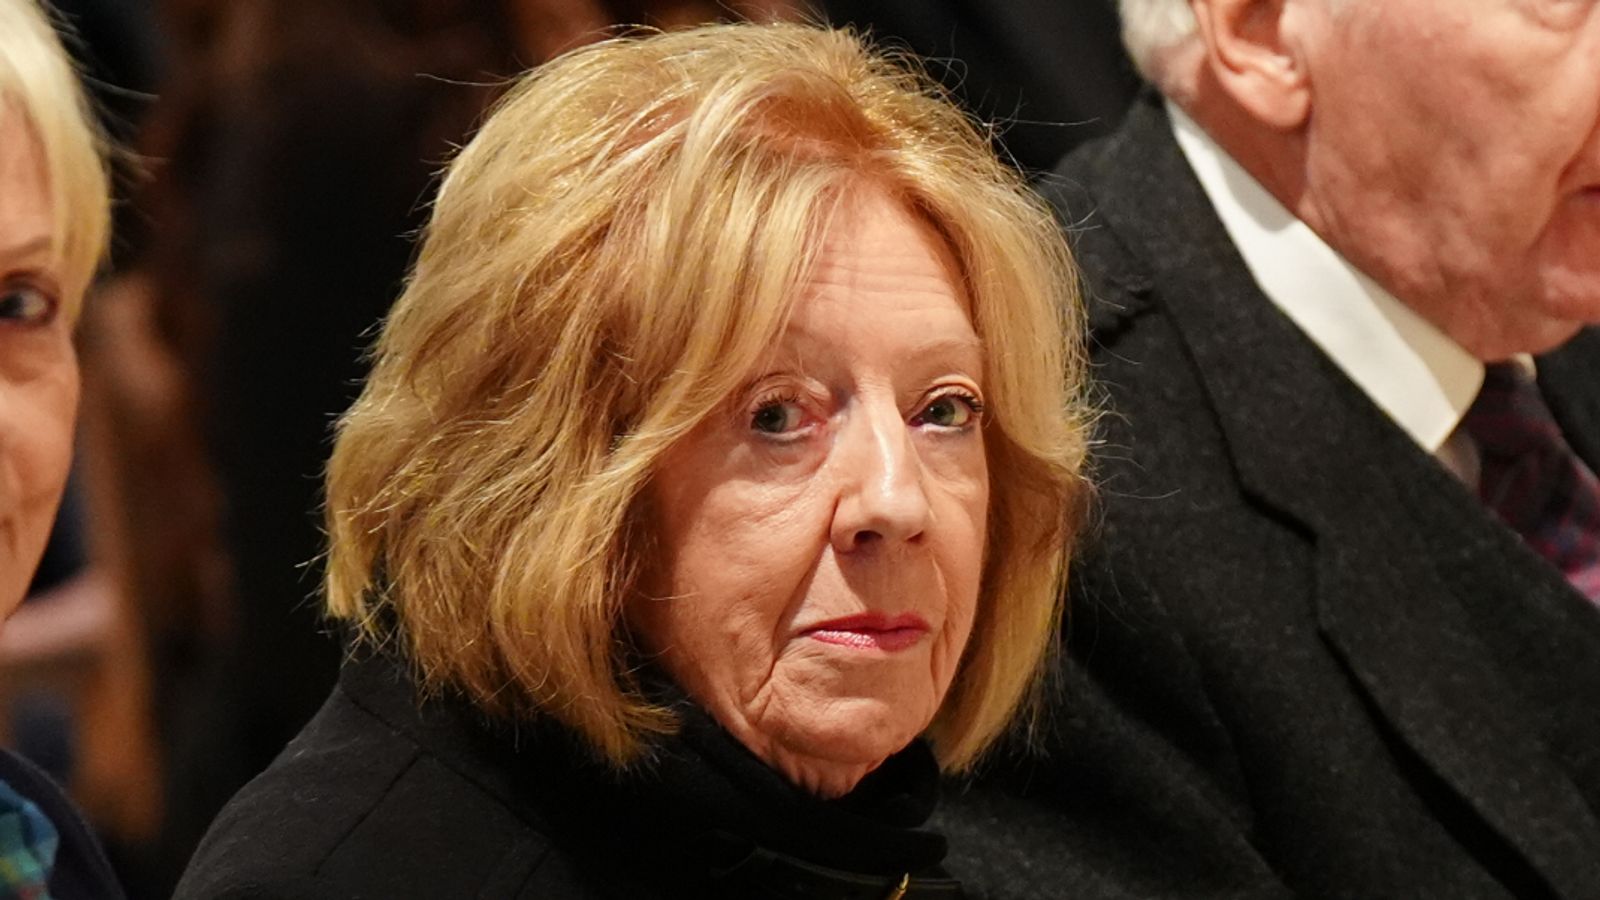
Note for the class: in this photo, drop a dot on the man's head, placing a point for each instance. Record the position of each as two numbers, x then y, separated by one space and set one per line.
1450 150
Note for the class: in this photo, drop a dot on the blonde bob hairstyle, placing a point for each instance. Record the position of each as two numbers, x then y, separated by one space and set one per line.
607 261
38 82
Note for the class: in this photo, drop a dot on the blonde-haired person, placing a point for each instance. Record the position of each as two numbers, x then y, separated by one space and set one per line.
54 216
710 493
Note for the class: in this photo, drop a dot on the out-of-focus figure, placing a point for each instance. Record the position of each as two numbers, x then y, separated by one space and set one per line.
54 217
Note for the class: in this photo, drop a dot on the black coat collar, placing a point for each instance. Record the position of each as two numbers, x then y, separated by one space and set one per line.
1405 604
702 817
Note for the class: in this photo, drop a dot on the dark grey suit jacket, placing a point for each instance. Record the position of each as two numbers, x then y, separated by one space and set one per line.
1304 660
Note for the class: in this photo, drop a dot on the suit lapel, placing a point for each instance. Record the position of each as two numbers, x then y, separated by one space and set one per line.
1348 477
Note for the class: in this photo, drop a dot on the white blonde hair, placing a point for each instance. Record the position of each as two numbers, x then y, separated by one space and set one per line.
37 80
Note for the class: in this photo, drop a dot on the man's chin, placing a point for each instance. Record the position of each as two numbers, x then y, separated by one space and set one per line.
1572 299
1525 337
1568 267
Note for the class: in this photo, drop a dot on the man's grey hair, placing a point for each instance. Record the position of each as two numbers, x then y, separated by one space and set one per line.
1152 30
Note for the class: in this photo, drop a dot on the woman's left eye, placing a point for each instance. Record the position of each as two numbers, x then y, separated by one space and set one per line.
26 305
956 410
778 416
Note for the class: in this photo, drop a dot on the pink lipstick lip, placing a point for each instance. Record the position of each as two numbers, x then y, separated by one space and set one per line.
871 631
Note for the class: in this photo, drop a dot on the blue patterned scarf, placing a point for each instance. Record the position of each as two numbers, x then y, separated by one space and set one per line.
27 847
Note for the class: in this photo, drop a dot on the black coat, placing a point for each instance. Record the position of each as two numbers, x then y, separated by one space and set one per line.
382 797
1304 659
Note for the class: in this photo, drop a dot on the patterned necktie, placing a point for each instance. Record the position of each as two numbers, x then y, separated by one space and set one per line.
1532 479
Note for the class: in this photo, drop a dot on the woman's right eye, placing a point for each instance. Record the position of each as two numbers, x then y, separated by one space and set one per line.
778 416
26 305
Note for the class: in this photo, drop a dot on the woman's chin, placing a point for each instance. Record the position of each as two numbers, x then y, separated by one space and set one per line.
826 780
829 748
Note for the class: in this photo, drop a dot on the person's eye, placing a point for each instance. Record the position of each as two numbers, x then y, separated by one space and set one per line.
953 410
778 416
26 305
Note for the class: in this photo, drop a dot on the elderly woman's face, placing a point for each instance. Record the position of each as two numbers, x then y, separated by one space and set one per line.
823 536
38 368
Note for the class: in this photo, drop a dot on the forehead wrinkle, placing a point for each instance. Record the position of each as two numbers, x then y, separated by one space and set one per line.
798 346
878 266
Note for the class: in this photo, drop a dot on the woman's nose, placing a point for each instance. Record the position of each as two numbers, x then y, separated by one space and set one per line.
882 500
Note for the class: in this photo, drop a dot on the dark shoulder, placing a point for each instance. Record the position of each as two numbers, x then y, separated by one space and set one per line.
354 807
1123 201
1098 207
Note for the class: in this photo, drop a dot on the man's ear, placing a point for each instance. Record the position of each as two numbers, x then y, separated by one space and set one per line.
1255 60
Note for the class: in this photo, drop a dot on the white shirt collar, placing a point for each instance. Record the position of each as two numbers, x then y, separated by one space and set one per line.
1424 380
